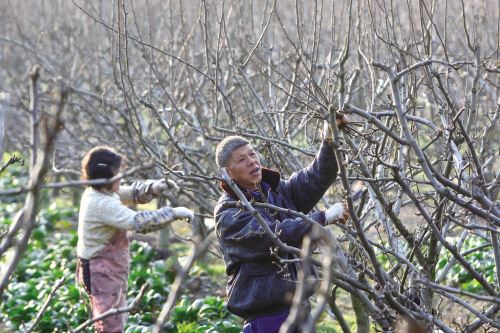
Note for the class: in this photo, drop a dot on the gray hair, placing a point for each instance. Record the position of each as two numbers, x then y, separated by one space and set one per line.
226 147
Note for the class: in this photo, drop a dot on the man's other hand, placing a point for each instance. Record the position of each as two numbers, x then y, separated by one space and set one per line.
337 212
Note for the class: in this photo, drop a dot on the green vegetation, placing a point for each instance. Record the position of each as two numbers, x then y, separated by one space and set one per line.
481 260
47 259
51 255
326 325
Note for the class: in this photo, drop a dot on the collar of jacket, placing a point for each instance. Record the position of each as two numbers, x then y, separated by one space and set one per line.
105 191
271 177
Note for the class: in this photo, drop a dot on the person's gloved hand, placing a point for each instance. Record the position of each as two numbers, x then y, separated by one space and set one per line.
161 187
341 119
327 129
337 212
183 213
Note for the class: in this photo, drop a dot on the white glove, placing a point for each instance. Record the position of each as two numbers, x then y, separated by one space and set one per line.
162 187
183 213
327 130
341 119
337 212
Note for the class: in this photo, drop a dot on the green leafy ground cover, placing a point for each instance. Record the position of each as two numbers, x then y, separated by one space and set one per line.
482 261
51 257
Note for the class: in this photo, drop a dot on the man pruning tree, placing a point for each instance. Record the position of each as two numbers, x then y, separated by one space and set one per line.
259 290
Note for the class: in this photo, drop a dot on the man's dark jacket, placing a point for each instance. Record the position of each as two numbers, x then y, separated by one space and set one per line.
258 287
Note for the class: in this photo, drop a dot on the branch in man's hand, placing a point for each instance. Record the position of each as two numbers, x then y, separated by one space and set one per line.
297 315
247 206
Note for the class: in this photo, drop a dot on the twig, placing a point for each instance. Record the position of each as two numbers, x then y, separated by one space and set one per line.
12 160
46 304
133 306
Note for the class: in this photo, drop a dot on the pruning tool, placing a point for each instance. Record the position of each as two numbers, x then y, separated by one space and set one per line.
357 195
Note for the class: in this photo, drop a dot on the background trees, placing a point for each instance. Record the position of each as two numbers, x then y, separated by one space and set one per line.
165 81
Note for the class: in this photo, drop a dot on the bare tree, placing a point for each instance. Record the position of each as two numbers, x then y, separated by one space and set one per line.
167 81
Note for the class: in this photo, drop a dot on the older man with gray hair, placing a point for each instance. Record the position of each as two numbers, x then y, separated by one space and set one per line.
260 290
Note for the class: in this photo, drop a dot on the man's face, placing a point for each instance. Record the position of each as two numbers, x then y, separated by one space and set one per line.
244 167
